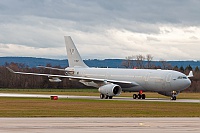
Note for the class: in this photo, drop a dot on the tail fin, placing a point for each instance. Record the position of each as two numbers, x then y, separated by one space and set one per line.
74 58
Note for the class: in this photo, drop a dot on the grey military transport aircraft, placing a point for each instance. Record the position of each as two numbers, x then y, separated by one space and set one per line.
112 81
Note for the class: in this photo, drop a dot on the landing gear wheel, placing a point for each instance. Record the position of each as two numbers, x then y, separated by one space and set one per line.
173 98
139 96
106 97
134 96
110 97
102 96
143 96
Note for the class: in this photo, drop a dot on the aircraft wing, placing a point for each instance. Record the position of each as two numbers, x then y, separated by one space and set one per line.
124 84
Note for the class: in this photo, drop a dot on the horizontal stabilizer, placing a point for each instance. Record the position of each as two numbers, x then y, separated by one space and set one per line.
52 68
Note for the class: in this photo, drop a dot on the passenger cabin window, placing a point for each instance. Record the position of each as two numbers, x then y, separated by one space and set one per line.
181 77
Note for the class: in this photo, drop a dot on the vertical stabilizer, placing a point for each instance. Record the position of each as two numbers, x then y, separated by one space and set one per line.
74 58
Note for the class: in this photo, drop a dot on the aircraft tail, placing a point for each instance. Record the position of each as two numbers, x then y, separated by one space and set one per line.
74 58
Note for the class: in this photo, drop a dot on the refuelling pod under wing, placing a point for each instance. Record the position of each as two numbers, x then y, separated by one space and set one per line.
110 89
54 79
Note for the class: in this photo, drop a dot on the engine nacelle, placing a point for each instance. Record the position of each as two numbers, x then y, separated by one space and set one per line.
55 80
110 90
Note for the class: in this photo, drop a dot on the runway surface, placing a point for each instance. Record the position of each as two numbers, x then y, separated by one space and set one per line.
97 98
99 125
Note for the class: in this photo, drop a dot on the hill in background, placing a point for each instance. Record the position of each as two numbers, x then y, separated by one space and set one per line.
111 63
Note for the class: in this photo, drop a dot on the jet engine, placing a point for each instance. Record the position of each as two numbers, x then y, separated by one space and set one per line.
110 89
55 79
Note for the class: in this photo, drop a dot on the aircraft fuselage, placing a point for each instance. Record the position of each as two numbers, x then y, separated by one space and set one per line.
148 79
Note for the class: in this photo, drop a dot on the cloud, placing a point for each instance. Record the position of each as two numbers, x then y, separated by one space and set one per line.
21 50
115 28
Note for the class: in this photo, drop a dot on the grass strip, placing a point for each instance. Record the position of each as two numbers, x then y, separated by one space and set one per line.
39 107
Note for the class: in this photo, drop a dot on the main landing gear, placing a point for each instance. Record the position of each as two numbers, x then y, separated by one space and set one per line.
139 96
102 96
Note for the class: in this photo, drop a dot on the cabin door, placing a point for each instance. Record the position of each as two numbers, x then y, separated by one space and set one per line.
168 81
147 79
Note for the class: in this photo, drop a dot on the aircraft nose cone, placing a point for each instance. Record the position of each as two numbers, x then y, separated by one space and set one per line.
187 83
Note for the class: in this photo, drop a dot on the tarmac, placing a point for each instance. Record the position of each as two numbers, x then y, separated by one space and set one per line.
99 125
97 98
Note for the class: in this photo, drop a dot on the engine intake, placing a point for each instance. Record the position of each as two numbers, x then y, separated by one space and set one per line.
110 89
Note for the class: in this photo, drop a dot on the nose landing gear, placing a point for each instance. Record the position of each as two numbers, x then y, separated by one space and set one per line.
173 98
174 94
139 96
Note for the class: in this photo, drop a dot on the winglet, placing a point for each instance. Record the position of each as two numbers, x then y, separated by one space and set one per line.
190 74
10 70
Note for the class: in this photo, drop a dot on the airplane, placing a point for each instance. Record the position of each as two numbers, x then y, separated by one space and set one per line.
112 81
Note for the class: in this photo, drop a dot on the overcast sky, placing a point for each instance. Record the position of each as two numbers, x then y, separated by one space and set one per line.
166 29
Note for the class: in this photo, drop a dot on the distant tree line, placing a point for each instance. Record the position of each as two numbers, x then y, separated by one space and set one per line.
146 62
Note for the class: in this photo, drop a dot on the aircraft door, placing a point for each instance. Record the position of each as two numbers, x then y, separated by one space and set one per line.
146 79
168 81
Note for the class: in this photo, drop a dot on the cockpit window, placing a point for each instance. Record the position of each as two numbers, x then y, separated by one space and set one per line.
182 77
